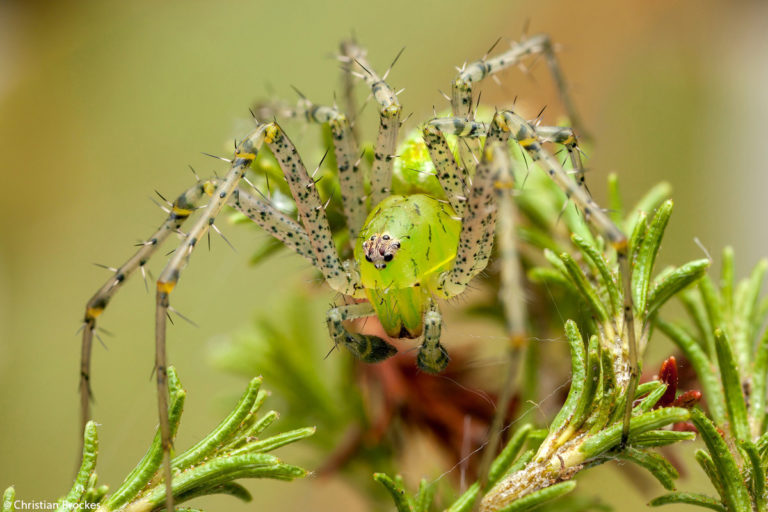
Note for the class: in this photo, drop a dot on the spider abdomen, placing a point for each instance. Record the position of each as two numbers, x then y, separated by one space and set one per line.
406 242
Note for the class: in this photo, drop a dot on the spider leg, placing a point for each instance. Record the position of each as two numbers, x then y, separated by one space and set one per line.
181 209
270 219
342 278
166 282
567 138
524 134
389 124
432 356
344 148
508 123
512 298
274 222
478 224
461 87
366 347
450 175
347 50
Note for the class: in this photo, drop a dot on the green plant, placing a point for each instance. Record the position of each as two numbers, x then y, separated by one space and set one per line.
587 430
730 356
232 451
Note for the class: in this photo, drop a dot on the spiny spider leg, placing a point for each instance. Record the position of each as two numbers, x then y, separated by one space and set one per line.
474 250
477 226
566 137
344 147
512 298
342 278
245 153
461 87
274 222
432 355
525 135
389 123
367 348
180 211
508 123
347 50
490 205
511 291
450 175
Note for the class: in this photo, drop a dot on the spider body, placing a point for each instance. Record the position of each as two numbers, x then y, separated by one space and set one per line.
415 238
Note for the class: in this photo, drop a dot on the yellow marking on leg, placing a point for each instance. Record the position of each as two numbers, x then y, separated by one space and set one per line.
92 313
391 111
527 142
182 212
165 287
501 122
270 133
245 156
209 188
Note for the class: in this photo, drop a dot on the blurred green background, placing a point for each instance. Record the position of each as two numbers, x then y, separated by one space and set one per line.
103 102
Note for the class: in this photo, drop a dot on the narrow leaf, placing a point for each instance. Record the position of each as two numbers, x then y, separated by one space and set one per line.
648 203
745 317
611 436
598 261
90 451
615 204
688 498
274 442
759 376
657 465
674 281
578 375
588 291
424 496
396 490
735 493
694 305
581 411
225 429
706 464
501 464
9 496
646 256
655 438
734 396
726 281
539 497
757 475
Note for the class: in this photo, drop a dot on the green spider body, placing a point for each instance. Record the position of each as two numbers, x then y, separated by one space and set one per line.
427 233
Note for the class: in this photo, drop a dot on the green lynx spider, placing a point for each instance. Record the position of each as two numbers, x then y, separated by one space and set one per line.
409 251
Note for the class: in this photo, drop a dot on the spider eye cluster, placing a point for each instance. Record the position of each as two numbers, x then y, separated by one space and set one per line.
380 249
